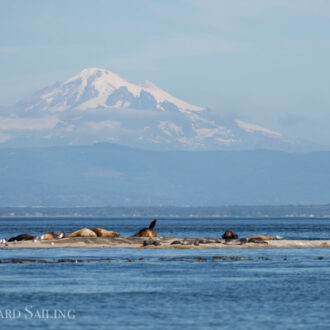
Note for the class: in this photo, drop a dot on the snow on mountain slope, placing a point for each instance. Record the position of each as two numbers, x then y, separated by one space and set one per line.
93 88
97 105
250 128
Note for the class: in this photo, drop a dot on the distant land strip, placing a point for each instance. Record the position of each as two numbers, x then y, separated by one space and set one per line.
270 211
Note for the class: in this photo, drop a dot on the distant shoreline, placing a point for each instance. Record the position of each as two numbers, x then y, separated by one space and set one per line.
189 212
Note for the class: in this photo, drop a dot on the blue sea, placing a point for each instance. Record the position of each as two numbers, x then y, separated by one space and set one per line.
166 289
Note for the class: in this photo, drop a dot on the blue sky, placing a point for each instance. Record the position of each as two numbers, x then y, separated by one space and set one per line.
267 62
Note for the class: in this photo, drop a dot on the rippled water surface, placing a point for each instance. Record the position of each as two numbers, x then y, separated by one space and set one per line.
167 289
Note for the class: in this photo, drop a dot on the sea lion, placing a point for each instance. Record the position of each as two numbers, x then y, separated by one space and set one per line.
84 232
23 237
52 236
104 233
256 240
229 234
263 237
147 232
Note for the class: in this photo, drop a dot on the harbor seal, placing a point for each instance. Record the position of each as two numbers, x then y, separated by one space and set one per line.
229 234
22 237
100 232
147 232
84 232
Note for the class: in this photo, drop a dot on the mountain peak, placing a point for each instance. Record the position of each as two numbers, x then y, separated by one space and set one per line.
97 105
99 88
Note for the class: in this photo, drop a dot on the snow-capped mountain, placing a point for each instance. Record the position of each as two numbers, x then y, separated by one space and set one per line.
97 88
97 105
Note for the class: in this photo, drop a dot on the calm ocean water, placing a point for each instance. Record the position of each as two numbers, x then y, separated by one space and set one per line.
167 289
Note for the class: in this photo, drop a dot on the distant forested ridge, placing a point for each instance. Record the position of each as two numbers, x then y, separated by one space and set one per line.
115 175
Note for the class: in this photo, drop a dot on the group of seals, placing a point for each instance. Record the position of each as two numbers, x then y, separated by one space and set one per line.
229 236
94 232
85 232
232 238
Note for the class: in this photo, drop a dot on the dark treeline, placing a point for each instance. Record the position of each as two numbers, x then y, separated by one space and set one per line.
286 211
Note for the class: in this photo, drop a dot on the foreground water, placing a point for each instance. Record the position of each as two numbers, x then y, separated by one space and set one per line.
168 289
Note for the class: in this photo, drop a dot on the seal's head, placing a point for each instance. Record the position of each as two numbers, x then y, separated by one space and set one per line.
229 234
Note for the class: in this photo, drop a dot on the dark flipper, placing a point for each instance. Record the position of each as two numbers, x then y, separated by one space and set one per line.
152 224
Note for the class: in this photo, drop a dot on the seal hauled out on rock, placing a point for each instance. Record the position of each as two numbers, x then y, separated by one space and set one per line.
147 232
52 236
229 234
84 232
100 232
23 237
255 240
262 237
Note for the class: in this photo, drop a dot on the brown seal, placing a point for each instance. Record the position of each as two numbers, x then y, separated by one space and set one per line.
148 232
52 236
23 237
100 232
84 232
263 237
229 234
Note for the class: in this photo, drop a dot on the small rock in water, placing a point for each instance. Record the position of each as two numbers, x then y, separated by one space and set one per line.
319 258
196 243
264 258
